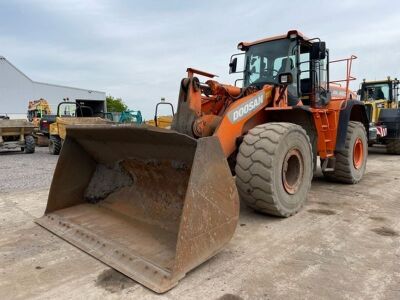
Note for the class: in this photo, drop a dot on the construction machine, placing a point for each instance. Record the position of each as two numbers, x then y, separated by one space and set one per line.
70 113
155 203
381 100
131 116
16 134
128 116
36 110
162 121
39 113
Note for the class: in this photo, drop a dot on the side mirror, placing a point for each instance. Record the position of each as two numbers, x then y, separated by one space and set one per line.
233 65
285 78
318 50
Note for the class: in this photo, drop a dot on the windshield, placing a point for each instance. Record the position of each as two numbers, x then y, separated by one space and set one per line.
67 110
264 62
375 91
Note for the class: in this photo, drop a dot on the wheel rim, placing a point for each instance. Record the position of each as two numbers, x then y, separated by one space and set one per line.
292 171
358 153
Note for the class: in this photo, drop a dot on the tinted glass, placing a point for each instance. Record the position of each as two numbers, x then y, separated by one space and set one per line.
264 62
375 91
67 110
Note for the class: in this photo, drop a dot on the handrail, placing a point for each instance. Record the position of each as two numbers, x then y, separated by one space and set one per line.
349 77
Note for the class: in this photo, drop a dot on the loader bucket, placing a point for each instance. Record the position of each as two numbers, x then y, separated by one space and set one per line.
149 202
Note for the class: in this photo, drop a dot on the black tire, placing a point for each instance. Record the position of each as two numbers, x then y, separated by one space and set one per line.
261 179
29 144
54 144
393 147
347 170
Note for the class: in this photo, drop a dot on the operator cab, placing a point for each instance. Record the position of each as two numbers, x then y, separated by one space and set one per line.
33 114
72 109
379 90
305 61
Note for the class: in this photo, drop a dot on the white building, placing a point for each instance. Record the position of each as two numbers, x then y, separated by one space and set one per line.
17 89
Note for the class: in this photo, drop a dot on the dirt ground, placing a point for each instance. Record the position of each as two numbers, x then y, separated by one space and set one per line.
344 244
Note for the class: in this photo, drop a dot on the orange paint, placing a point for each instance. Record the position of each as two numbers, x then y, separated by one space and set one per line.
228 112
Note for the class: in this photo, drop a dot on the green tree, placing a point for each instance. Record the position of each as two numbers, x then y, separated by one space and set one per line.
115 104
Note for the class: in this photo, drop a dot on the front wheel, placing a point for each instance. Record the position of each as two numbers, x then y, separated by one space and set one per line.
54 144
29 144
274 168
351 162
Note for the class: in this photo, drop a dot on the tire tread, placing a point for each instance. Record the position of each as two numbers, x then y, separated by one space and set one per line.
254 170
342 172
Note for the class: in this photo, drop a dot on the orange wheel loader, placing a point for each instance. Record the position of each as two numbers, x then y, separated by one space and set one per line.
155 203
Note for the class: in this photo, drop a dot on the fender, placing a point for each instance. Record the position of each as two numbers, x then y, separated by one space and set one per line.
300 115
354 110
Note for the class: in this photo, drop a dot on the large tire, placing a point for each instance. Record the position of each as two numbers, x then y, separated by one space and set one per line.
352 161
274 168
393 147
54 144
29 144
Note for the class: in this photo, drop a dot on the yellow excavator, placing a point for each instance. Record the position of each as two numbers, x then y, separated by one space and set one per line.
36 110
39 113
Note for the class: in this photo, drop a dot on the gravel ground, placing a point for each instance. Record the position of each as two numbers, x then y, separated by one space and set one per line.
344 244
20 171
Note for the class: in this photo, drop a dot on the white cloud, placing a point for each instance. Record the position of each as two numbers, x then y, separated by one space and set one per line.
139 50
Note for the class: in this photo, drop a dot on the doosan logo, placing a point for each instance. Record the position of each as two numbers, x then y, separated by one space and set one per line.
246 108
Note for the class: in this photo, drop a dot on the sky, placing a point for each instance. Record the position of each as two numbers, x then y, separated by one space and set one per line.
140 50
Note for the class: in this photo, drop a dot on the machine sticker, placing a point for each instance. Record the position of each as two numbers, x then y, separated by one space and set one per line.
246 108
381 131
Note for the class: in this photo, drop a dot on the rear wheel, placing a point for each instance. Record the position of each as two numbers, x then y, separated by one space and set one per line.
352 161
393 147
274 168
54 144
29 144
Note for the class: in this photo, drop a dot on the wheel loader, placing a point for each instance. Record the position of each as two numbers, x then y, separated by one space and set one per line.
155 203
383 111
